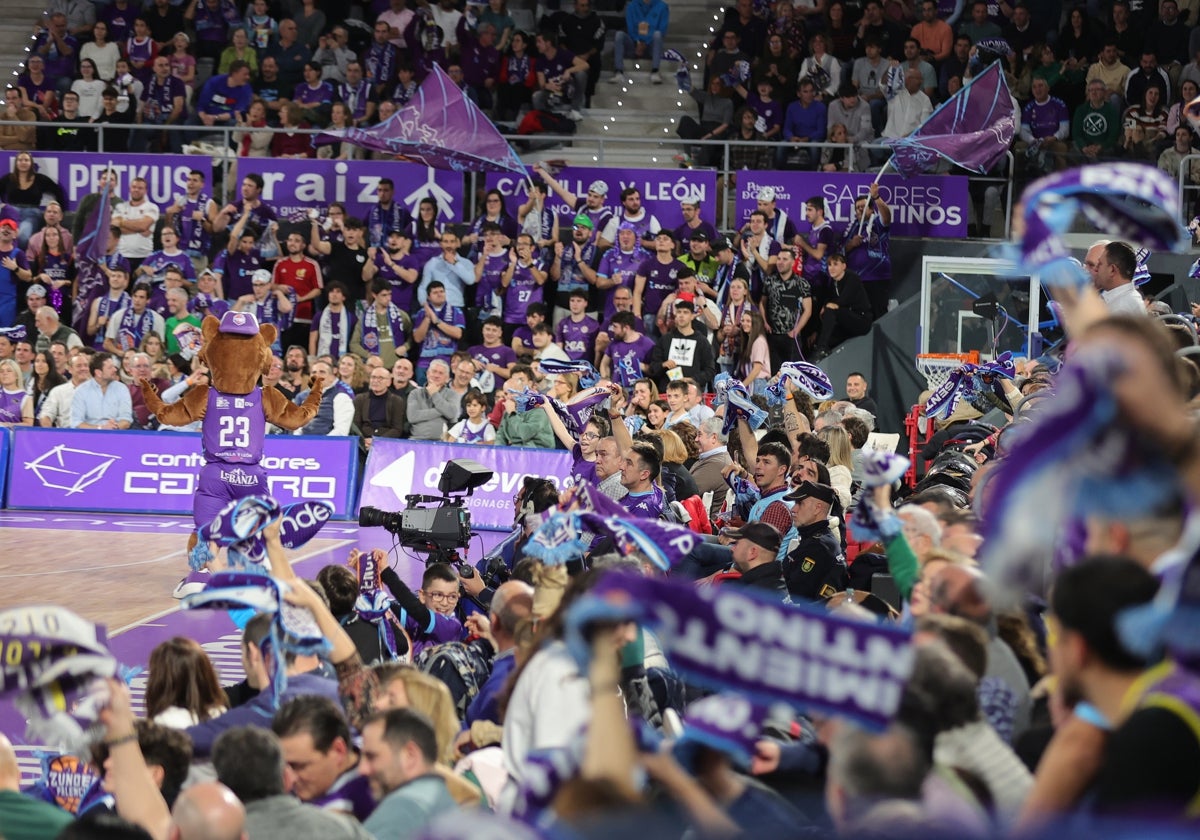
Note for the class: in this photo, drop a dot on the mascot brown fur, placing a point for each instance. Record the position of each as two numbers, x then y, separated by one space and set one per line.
236 361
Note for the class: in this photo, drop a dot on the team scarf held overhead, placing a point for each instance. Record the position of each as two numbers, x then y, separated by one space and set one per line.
683 76
738 404
575 415
1132 202
293 628
1074 458
374 604
973 382
806 376
741 641
588 375
53 664
563 537
239 527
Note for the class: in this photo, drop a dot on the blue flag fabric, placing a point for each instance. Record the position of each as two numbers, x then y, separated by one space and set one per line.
972 129
439 127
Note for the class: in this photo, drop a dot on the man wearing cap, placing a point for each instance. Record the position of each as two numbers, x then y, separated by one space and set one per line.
708 314
754 550
632 211
208 300
814 567
590 205
730 265
699 258
50 328
14 269
35 299
102 402
657 277
572 268
619 266
129 326
683 351
780 226
693 226
269 303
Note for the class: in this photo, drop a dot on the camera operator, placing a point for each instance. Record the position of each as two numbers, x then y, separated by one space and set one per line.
535 496
428 615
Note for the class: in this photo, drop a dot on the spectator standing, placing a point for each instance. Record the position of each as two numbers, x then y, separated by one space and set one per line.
129 326
439 326
301 274
382 328
59 49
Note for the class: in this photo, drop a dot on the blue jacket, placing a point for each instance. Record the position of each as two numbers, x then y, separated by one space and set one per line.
259 711
656 13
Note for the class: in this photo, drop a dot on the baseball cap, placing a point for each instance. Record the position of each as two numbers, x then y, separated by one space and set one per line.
8 223
721 244
585 221
685 297
766 194
806 489
239 323
36 290
260 276
598 187
666 233
759 533
698 236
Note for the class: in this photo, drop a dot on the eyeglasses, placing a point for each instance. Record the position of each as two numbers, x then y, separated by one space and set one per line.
589 436
447 597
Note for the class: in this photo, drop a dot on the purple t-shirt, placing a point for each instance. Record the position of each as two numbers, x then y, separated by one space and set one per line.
622 267
236 270
159 99
577 338
524 335
555 67
581 469
488 293
662 279
522 290
322 94
815 270
350 793
626 359
234 427
193 238
1043 120
501 355
771 112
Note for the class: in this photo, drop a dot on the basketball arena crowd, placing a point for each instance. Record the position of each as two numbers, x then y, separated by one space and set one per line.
467 704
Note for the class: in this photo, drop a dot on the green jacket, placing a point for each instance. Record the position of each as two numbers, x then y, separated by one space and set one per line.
529 429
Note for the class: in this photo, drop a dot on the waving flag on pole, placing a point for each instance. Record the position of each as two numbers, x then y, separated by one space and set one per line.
93 240
972 129
439 127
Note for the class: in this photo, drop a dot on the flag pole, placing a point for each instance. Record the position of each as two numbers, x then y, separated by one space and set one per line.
882 170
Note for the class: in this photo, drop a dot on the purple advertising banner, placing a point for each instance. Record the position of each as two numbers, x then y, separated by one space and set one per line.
78 173
927 205
156 472
397 468
293 186
662 190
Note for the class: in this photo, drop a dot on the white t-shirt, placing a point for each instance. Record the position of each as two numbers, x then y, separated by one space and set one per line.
464 431
136 246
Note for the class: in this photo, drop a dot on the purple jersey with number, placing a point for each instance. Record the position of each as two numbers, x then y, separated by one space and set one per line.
234 427
577 338
661 281
522 291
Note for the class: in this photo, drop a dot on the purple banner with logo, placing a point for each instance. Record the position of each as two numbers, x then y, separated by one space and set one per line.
925 205
293 186
662 190
78 173
157 472
397 468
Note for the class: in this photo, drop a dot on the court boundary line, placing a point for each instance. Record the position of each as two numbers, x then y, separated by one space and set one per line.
179 607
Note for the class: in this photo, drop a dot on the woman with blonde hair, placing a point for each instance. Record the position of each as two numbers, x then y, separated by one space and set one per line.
841 461
353 372
674 455
182 688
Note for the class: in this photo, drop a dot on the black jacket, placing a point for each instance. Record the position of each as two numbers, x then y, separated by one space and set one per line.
816 567
767 577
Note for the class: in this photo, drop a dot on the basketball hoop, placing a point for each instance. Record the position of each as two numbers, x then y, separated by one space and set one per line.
937 367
